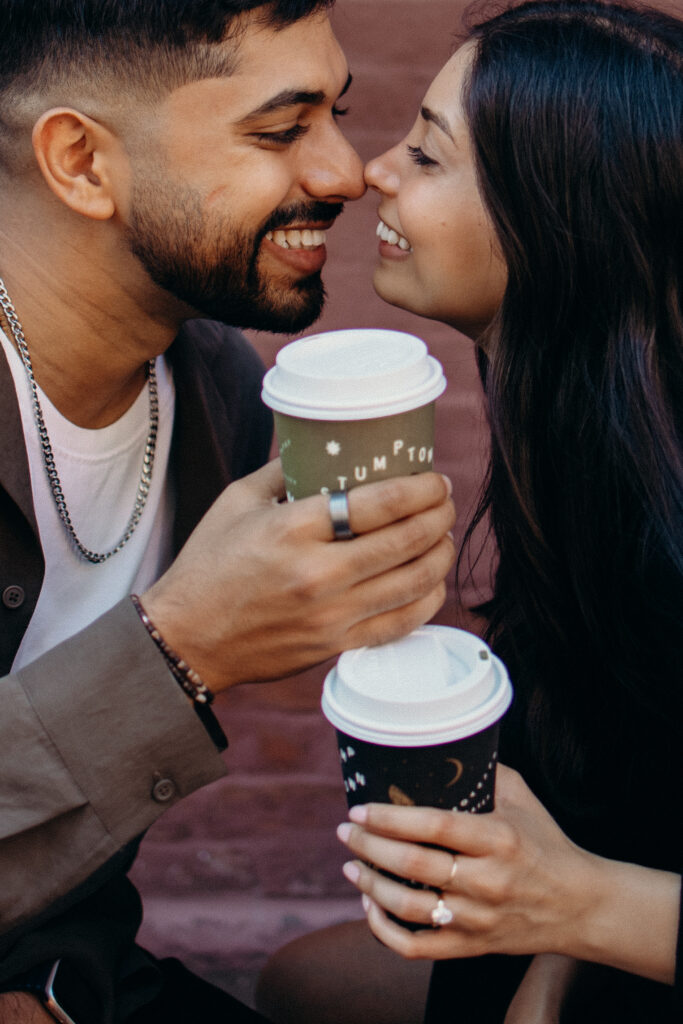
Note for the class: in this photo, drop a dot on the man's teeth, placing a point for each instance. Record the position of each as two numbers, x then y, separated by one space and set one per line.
388 234
297 239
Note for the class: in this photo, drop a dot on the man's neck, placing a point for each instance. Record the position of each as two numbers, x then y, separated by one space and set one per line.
89 341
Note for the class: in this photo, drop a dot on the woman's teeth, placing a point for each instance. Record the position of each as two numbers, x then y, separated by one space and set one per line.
388 234
297 239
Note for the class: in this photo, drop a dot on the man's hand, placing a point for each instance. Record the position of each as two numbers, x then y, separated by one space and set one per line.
261 589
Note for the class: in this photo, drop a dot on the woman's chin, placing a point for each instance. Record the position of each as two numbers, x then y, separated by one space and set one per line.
395 296
473 329
392 293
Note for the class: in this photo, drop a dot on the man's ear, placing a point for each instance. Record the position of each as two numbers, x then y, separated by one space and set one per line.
77 157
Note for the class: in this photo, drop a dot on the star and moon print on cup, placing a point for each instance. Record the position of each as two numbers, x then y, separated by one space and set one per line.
456 776
453 776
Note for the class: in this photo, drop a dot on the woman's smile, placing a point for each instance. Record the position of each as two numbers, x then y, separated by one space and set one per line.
390 240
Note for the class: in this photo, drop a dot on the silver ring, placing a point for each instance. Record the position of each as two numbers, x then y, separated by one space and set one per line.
441 915
339 514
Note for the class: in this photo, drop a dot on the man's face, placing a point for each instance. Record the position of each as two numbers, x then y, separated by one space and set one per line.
242 175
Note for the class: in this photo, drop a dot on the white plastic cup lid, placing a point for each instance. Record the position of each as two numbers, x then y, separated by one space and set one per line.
363 373
436 685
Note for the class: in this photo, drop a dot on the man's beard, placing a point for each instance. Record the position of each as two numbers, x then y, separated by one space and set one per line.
211 264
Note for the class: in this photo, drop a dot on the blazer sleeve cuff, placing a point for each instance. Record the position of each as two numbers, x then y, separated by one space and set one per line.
125 732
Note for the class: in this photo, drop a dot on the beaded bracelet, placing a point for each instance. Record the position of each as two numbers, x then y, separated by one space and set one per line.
181 671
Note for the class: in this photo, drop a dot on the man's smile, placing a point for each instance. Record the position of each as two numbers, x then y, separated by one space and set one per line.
295 238
301 243
301 248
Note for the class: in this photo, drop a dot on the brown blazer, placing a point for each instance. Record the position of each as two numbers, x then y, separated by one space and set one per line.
79 755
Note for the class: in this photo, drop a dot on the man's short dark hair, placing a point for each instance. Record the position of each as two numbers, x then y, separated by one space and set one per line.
143 47
37 34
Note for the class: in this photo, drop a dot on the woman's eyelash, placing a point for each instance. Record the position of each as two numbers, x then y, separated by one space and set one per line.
418 156
340 111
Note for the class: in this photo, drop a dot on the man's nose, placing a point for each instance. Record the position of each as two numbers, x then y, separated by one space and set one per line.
335 171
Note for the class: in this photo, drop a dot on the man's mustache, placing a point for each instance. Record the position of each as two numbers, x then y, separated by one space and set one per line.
302 213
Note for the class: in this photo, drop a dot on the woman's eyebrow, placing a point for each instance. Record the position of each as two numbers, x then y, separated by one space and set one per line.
438 120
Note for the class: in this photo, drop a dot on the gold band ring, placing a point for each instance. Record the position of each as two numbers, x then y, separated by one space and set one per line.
451 874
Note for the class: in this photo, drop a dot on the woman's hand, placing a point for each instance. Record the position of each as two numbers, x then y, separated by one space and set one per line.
520 886
518 878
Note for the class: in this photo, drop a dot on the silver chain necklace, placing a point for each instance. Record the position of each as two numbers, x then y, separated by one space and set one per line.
46 447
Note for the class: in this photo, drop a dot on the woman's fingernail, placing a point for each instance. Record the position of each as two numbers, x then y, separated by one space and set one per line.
344 831
351 871
365 900
449 485
359 814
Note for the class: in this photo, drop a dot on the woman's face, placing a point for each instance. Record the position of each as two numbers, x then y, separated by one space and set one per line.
438 254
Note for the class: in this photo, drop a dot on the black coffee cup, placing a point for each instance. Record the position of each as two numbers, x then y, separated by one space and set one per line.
417 720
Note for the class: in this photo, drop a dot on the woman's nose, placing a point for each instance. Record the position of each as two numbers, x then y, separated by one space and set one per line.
381 173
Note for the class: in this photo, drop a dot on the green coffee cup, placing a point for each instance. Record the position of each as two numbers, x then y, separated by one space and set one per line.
351 407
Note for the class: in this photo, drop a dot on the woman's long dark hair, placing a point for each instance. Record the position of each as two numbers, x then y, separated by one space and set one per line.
576 114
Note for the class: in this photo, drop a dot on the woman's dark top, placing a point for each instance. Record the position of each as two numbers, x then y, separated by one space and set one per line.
625 805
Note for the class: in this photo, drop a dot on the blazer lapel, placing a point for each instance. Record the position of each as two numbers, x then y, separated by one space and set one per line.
14 471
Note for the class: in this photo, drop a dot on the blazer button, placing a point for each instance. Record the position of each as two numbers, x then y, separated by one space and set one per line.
163 790
13 597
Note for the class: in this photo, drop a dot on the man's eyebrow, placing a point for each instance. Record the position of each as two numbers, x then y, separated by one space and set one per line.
291 98
438 120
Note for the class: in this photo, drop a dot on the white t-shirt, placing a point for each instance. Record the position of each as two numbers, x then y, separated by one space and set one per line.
99 471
